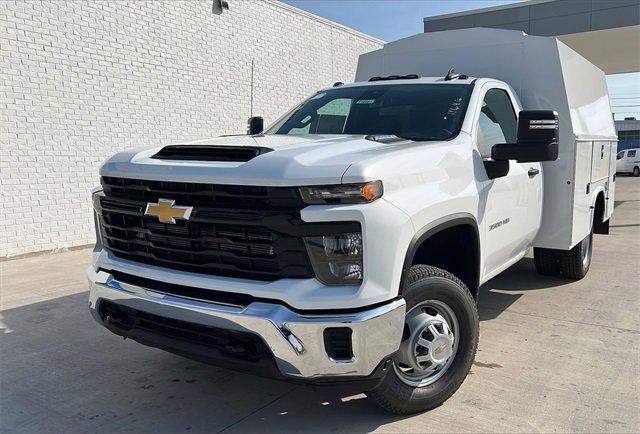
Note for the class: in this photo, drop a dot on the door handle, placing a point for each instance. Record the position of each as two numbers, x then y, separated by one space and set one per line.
533 172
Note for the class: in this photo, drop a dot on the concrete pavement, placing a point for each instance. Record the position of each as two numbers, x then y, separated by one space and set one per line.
554 355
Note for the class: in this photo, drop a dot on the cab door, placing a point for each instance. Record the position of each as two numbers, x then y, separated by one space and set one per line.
512 203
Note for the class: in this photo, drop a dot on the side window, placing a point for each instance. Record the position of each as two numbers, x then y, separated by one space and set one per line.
620 155
631 154
497 122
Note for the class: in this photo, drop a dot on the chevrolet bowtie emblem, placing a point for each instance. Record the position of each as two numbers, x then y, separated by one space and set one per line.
167 211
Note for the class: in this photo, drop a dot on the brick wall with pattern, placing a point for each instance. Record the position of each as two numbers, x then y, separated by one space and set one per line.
82 80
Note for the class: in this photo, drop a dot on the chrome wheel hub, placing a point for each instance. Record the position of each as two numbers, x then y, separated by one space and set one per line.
429 344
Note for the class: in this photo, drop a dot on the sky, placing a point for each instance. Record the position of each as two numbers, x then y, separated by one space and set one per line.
390 20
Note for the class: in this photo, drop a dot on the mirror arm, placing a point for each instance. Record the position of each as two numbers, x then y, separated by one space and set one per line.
498 151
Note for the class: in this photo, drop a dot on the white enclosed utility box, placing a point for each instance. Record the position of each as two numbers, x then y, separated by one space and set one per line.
546 75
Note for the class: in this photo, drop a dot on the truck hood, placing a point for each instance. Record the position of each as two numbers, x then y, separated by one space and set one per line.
295 160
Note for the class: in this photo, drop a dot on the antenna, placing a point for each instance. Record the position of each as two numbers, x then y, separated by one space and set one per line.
451 75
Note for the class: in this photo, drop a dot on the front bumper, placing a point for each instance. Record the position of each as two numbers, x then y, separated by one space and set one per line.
296 341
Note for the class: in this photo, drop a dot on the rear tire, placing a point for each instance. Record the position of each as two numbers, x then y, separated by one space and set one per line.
426 385
575 263
636 171
546 261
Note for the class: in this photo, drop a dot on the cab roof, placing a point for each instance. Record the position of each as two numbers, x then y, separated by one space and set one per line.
418 80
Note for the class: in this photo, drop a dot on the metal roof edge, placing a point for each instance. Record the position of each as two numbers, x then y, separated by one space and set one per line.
328 22
487 9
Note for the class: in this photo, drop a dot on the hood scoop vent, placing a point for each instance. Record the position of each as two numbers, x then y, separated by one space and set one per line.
210 153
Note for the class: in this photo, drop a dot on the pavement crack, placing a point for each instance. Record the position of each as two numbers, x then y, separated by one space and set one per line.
257 410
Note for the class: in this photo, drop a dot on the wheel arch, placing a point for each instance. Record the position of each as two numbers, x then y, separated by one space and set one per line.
600 225
449 226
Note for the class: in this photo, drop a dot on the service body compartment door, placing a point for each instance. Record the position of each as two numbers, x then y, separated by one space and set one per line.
600 159
600 170
580 210
593 166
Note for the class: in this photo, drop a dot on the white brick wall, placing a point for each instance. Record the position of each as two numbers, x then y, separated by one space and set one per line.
82 80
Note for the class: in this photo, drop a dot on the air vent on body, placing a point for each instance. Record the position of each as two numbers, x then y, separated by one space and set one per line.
210 153
337 343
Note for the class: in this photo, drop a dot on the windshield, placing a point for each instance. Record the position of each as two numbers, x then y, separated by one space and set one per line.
412 111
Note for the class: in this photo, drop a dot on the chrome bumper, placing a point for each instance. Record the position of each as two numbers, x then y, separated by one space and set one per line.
296 341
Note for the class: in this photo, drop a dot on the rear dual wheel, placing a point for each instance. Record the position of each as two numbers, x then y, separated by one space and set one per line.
438 344
572 264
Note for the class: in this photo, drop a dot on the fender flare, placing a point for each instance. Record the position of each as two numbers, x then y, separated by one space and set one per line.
436 226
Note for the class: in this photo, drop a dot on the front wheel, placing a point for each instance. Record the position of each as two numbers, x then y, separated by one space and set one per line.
438 346
636 171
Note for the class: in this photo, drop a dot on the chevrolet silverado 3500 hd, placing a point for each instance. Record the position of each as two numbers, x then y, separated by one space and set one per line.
347 242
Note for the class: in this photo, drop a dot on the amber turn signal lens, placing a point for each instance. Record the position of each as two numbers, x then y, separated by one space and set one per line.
372 191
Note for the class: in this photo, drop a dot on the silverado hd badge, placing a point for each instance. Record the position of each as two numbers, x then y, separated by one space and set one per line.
167 211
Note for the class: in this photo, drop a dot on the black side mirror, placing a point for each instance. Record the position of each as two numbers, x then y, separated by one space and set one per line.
538 137
496 169
255 125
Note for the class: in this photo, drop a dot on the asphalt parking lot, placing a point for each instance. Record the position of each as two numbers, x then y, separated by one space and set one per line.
554 355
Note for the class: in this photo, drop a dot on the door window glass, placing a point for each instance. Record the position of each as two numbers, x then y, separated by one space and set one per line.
620 155
497 122
631 154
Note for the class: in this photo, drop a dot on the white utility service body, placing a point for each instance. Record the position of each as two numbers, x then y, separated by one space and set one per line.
543 73
411 194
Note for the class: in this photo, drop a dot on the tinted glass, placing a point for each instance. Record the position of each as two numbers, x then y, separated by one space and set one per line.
631 154
497 122
415 111
620 155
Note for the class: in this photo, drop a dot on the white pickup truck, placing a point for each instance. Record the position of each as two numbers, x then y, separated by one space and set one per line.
348 241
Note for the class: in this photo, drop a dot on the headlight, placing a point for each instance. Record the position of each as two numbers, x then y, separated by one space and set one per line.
337 259
342 193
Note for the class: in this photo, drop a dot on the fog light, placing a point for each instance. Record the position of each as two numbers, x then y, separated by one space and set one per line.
337 259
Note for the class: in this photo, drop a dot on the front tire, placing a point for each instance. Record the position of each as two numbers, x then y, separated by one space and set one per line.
636 171
439 343
575 263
